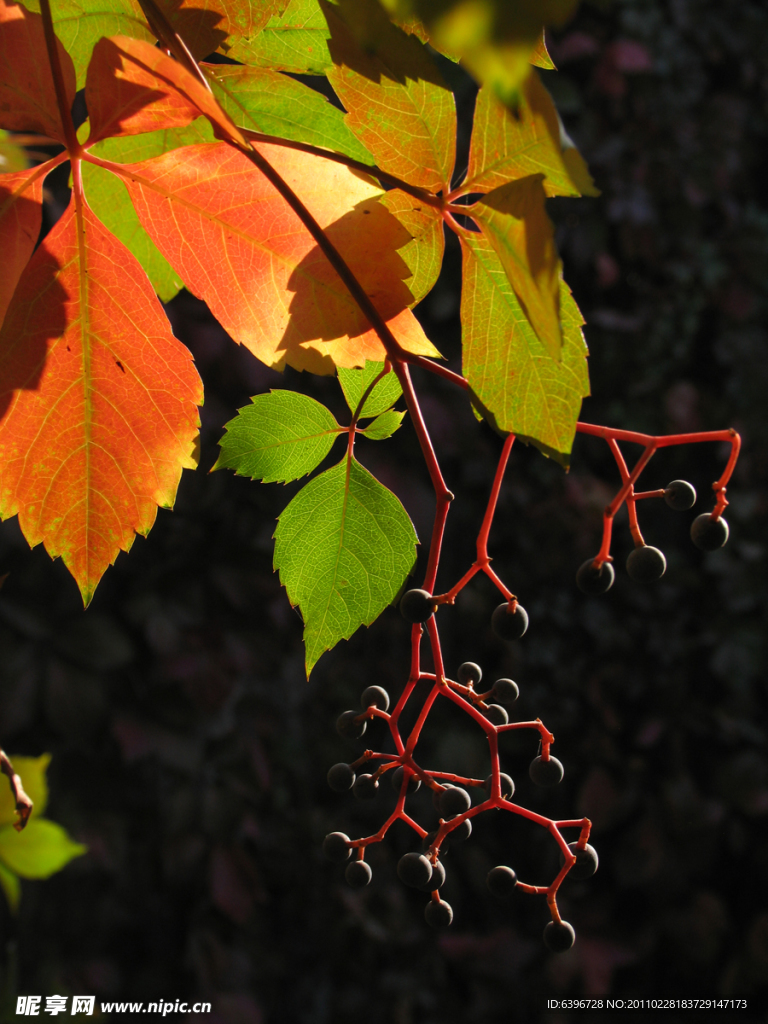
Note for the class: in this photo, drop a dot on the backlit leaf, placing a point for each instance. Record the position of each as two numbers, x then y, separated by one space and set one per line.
31 771
42 849
514 221
21 214
424 253
238 246
540 57
398 104
12 156
517 385
292 40
344 547
354 383
27 96
383 426
97 400
280 437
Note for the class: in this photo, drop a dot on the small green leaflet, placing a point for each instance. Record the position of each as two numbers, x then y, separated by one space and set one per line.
385 393
383 426
283 436
343 547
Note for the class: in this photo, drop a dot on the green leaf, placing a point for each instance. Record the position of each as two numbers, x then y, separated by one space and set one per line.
399 106
343 547
108 197
284 435
12 157
384 426
423 255
266 101
31 771
294 41
355 382
42 849
516 384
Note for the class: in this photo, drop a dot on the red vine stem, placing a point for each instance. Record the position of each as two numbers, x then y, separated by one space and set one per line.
60 88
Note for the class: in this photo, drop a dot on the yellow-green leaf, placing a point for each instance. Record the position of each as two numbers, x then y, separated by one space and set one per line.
42 849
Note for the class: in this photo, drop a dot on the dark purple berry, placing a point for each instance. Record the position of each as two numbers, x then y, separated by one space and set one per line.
457 835
546 773
336 847
417 605
348 727
496 714
501 882
680 495
594 581
505 691
437 879
365 787
414 782
507 785
586 862
438 915
468 673
646 564
452 800
509 625
376 696
707 533
340 777
414 869
559 937
358 874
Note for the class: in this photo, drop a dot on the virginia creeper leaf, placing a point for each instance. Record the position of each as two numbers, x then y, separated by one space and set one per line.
31 771
355 382
514 221
27 95
292 40
265 101
399 106
238 246
42 849
516 384
384 426
424 253
344 547
97 400
506 146
108 197
283 436
21 214
540 57
12 156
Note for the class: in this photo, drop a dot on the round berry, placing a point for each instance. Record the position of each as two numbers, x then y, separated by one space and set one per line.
586 862
468 673
348 726
595 580
496 714
646 564
707 533
509 625
340 777
430 837
559 937
364 787
414 869
546 773
376 696
452 800
501 881
336 847
505 691
457 835
437 879
438 915
507 785
680 495
414 782
417 605
358 874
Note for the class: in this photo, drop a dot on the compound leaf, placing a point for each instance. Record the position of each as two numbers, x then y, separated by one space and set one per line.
42 849
21 214
344 547
355 382
292 40
383 426
280 437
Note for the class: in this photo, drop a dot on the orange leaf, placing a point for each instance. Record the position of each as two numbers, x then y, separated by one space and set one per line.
27 96
97 400
133 87
21 214
237 245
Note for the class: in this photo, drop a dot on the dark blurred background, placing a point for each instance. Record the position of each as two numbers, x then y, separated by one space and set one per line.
190 752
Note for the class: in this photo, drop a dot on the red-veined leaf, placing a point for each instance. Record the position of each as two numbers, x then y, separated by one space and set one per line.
21 214
27 96
97 400
237 245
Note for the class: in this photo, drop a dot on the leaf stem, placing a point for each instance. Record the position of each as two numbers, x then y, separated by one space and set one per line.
54 62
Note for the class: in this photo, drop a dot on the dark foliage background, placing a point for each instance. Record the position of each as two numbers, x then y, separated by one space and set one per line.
189 751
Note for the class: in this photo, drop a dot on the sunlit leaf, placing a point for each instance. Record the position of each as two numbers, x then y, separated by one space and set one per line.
27 95
42 849
292 40
344 547
383 426
12 156
97 400
424 253
540 57
237 245
398 104
354 384
282 436
21 214
31 771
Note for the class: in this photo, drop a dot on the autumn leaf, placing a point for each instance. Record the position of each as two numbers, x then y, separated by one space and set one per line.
21 214
97 400
294 39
